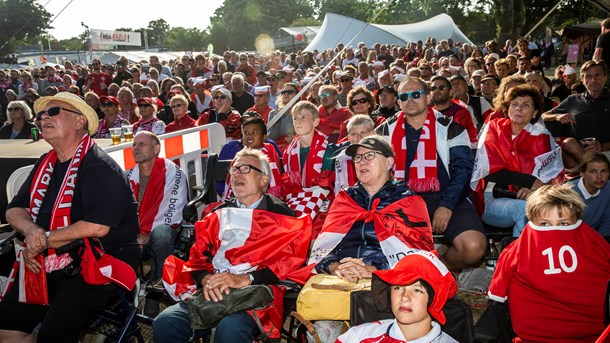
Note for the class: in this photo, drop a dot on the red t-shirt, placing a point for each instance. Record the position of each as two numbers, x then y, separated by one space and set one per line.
555 280
180 124
461 115
264 112
100 83
330 123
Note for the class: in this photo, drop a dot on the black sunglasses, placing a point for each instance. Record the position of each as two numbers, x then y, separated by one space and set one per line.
359 101
220 97
287 91
53 111
441 88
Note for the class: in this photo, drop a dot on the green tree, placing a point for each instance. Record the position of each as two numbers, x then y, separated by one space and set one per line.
180 38
20 20
237 23
156 31
357 9
310 21
510 19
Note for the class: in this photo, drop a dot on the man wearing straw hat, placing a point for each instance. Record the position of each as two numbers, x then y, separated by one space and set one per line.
75 191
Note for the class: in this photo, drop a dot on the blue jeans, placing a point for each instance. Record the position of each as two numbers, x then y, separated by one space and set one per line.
173 325
161 242
505 212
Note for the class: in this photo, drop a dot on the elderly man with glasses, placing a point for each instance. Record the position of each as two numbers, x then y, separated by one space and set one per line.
255 255
433 157
68 196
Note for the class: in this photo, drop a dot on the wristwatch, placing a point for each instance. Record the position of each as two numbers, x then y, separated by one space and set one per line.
251 278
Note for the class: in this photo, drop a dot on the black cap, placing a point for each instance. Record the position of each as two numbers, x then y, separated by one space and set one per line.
371 142
388 89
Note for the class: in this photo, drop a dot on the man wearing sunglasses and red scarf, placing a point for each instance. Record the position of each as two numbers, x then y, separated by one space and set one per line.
433 156
75 191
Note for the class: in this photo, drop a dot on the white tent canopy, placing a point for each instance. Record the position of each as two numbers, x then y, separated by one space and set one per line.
341 29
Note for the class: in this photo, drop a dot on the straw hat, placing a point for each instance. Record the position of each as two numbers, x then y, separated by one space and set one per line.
76 102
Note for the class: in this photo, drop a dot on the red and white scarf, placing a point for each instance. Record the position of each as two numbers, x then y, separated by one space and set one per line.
33 285
240 241
345 172
308 177
423 172
400 227
165 195
102 132
532 151
144 124
275 181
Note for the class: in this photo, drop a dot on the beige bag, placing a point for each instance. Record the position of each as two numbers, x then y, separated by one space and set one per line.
326 297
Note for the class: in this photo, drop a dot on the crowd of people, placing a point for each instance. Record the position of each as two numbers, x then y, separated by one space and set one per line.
388 146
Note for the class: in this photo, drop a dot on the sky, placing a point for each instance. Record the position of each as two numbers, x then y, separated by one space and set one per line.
112 14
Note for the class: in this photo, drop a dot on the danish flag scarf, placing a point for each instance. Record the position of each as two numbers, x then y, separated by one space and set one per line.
239 241
32 286
533 151
308 177
165 195
345 172
423 172
275 181
102 132
402 226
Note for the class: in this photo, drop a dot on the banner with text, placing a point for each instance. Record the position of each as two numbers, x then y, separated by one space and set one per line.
104 37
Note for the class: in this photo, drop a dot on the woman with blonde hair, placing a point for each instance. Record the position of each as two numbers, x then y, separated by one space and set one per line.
19 123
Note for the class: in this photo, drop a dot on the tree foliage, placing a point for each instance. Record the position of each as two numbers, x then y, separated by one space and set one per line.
20 20
309 21
237 23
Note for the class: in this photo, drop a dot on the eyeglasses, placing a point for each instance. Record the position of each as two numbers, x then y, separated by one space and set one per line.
324 95
106 104
367 156
346 80
413 95
144 105
13 109
176 105
489 63
220 97
53 111
243 169
441 88
360 101
287 91
445 65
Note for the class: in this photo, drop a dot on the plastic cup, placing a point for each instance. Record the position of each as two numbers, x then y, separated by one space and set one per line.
127 132
115 134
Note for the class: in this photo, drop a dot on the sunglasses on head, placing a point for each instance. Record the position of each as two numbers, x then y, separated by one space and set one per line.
287 91
360 101
220 97
440 88
53 111
413 95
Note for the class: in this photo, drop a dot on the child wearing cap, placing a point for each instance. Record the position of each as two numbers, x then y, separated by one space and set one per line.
555 275
416 290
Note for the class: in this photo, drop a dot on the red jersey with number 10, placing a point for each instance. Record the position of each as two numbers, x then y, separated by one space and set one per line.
555 280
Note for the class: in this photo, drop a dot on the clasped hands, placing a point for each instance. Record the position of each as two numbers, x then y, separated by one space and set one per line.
36 243
351 269
214 285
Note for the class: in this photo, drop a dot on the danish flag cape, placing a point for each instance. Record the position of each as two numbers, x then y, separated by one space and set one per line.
533 151
239 241
165 195
402 226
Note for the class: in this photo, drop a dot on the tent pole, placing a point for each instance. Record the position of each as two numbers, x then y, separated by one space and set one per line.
543 18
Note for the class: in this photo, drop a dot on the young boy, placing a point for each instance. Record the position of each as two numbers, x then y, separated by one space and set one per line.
556 274
418 286
304 156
